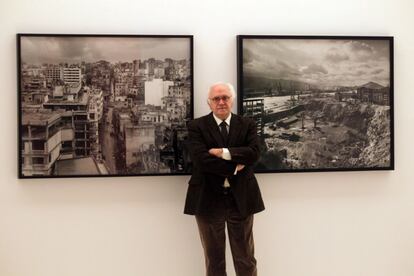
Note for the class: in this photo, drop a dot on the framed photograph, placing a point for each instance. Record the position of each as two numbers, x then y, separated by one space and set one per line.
321 103
103 105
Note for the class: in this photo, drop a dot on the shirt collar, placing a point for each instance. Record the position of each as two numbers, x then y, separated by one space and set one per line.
218 120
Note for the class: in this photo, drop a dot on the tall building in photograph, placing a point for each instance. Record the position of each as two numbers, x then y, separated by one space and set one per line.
155 90
87 110
71 75
53 73
254 108
46 136
138 140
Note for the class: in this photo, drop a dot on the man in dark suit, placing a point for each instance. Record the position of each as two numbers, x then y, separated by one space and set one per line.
223 189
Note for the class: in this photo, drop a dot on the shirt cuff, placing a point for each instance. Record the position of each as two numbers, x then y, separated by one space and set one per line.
226 154
235 171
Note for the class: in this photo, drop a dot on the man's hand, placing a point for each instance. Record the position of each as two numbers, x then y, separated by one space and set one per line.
217 152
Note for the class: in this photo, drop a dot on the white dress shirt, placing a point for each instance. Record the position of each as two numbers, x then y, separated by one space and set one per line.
226 153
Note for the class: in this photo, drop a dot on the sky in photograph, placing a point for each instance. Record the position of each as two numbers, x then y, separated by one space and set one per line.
38 50
323 63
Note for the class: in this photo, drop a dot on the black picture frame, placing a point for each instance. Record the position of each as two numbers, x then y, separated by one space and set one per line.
321 103
96 105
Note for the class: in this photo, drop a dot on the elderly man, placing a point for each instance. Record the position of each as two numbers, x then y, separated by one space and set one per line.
223 189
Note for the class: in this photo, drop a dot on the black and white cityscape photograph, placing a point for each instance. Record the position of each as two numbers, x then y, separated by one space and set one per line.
103 105
320 103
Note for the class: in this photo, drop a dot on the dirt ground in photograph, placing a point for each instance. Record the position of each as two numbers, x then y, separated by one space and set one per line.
328 145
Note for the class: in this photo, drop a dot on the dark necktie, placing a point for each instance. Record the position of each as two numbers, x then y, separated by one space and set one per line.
223 130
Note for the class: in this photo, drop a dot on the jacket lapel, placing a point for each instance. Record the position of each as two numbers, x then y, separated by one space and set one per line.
235 128
214 130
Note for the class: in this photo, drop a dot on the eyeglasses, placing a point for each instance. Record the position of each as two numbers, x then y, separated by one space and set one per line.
217 99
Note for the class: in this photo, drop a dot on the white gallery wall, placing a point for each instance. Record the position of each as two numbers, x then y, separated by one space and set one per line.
315 224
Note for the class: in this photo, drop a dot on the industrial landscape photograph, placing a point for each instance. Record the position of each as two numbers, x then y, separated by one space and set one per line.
319 104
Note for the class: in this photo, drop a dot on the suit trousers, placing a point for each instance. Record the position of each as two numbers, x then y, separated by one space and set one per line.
213 238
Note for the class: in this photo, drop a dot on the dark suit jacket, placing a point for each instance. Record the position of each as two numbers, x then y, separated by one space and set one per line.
209 172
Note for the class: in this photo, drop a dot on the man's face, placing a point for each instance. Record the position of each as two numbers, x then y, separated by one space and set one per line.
220 101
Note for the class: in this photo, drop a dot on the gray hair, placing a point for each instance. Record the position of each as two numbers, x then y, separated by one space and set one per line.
228 85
